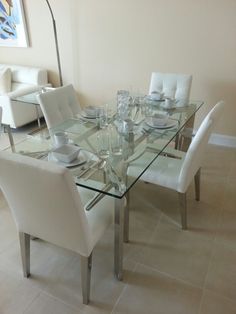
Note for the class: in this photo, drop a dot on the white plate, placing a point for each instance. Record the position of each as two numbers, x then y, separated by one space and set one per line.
88 116
155 100
170 124
176 105
81 159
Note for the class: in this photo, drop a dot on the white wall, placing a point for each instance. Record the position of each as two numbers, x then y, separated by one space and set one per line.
107 45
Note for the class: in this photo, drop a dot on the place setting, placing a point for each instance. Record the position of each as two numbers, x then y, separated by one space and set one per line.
160 121
66 153
90 114
165 102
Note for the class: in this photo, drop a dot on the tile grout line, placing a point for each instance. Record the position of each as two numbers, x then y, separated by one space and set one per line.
170 276
122 292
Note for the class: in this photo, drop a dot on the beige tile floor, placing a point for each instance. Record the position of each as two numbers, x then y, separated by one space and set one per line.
166 270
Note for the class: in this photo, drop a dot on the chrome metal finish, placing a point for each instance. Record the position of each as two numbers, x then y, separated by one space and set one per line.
38 117
186 140
126 218
25 252
183 210
86 266
98 197
7 129
197 179
177 141
119 232
56 42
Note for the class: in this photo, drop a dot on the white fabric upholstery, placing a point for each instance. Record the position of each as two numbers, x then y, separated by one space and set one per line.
16 113
173 85
59 104
45 203
5 80
177 174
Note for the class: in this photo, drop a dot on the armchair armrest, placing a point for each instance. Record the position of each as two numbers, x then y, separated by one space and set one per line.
25 90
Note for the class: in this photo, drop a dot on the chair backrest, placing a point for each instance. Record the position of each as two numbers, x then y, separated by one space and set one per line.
59 104
171 84
195 153
0 115
45 202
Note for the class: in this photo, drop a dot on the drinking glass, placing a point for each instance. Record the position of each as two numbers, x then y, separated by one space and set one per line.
103 144
102 117
115 142
147 108
121 95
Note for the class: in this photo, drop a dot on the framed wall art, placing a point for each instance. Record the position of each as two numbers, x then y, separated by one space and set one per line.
13 31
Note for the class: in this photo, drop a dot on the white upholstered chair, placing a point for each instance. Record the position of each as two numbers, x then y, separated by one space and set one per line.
173 85
48 206
177 174
59 104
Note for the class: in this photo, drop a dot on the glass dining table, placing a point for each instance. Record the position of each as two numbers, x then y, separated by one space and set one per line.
107 173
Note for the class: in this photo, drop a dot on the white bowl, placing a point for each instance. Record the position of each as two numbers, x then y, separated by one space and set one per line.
66 153
160 119
156 95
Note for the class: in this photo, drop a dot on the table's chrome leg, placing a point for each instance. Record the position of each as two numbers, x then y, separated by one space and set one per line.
119 232
126 218
185 143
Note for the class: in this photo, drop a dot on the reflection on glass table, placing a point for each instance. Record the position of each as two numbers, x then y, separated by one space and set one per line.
110 152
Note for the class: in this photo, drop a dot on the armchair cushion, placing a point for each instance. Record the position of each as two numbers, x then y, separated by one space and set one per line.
5 80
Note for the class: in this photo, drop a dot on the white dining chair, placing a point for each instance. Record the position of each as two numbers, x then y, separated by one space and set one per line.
177 173
46 204
59 104
177 86
173 85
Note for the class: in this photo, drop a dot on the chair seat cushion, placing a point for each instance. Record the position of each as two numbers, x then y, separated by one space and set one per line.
164 171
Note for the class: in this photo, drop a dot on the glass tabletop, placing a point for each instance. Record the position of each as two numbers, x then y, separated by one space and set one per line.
106 154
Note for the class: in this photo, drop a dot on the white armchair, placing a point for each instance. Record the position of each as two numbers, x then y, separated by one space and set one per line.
24 80
50 207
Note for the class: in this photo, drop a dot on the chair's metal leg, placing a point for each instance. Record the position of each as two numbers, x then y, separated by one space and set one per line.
119 233
7 128
183 210
86 266
126 218
25 252
197 179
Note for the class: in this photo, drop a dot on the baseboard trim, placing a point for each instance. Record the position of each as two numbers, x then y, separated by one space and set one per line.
223 140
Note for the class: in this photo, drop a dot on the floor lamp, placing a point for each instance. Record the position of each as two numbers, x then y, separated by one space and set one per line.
56 43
